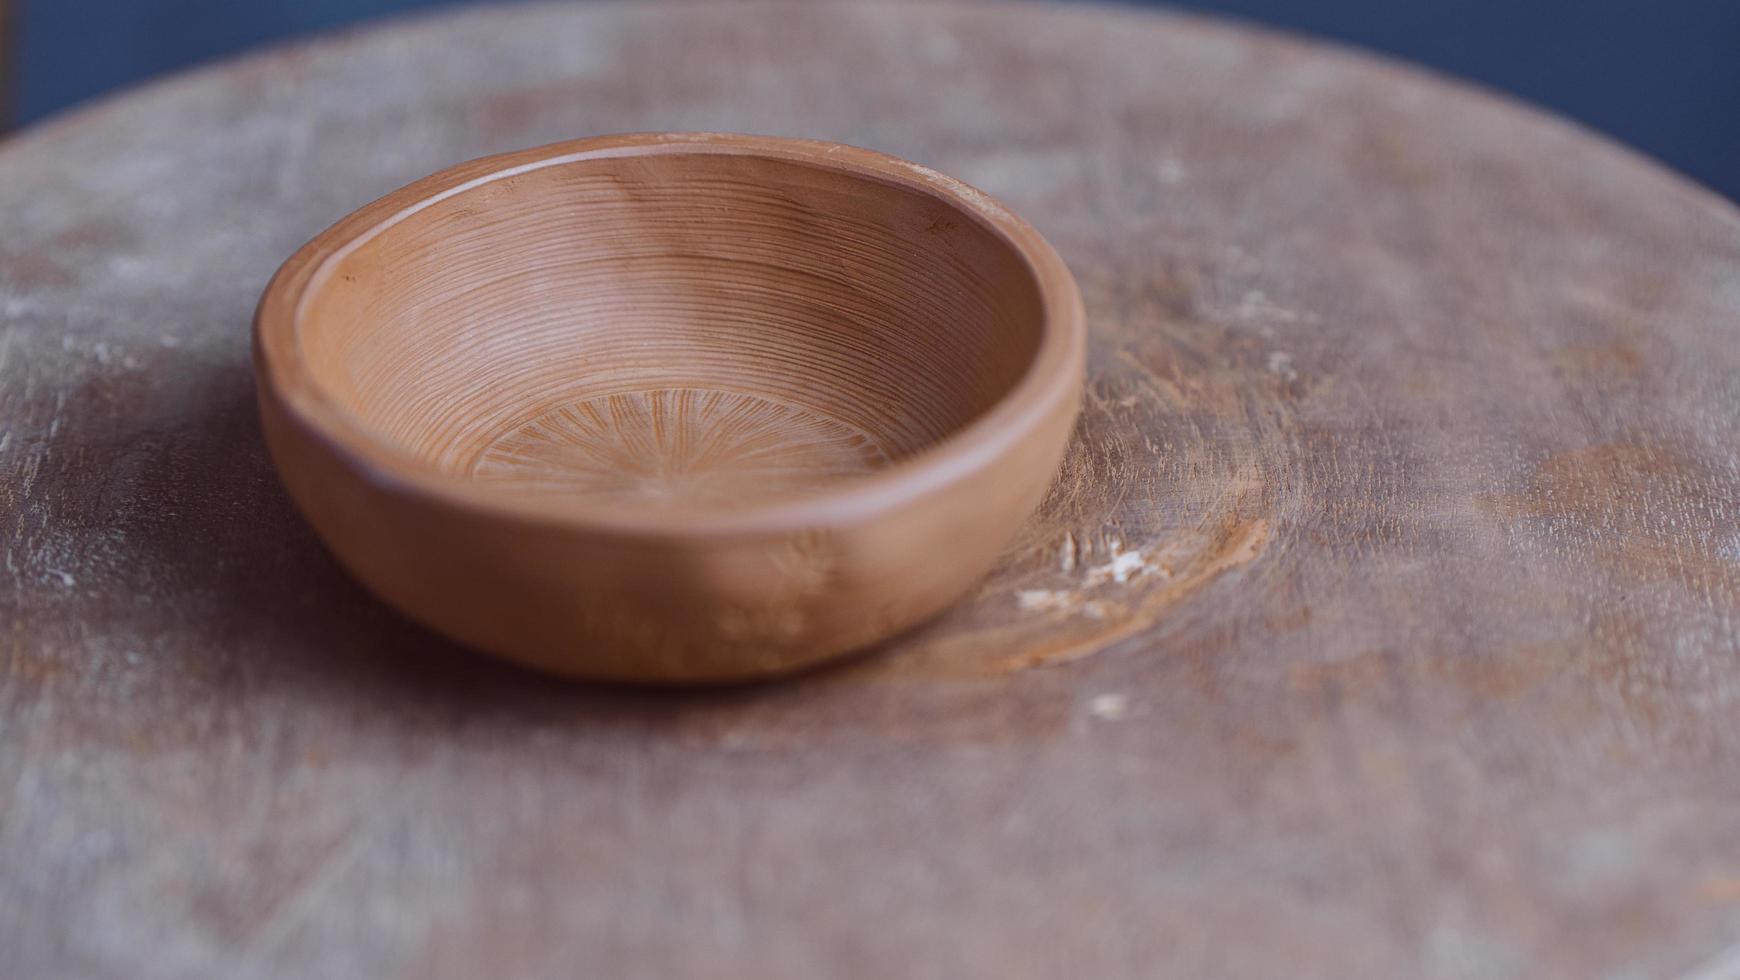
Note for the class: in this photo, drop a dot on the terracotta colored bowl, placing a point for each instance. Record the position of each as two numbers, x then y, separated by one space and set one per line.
671 407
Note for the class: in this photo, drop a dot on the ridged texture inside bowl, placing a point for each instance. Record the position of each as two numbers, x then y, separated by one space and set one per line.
683 327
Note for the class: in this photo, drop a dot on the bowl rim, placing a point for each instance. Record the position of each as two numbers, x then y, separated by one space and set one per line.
1053 376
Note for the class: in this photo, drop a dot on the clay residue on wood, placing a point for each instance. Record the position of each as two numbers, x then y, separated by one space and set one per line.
1614 360
1176 571
1181 472
1128 590
1646 511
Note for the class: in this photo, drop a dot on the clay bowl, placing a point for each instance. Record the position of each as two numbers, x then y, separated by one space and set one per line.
671 407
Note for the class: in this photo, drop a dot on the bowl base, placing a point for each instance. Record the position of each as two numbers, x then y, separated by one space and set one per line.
676 445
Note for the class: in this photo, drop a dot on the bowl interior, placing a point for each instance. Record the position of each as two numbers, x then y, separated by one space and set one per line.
673 328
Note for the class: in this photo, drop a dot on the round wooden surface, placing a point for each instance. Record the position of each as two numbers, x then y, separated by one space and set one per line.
1383 620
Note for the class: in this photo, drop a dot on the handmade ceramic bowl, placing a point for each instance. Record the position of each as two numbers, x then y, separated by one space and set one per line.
671 407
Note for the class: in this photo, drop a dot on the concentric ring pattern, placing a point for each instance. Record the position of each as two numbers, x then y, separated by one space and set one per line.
677 328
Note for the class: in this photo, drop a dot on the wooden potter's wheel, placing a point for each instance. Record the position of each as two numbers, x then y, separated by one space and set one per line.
1383 620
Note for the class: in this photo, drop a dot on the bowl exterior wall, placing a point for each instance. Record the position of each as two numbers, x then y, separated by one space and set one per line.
614 605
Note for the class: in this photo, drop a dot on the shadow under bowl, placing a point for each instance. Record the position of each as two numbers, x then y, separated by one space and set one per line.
678 407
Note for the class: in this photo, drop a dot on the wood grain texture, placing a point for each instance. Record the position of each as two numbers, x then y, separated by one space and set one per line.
1383 622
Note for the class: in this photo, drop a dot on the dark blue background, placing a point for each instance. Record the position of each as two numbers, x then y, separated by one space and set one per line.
1662 75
